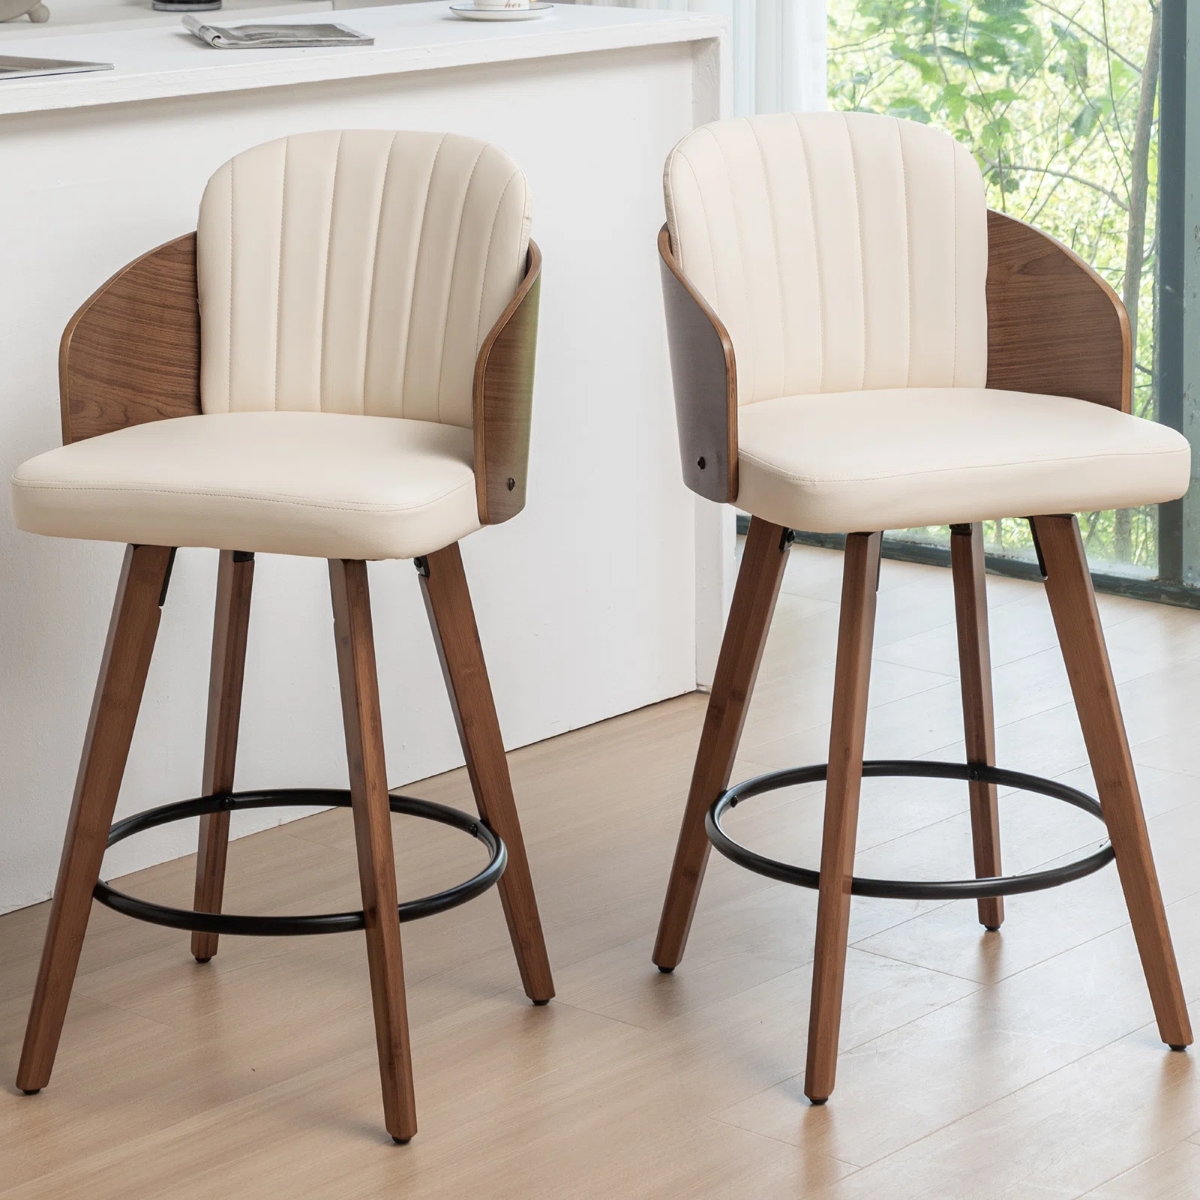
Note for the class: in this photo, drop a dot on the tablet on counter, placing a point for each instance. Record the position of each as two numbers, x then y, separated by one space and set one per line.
22 68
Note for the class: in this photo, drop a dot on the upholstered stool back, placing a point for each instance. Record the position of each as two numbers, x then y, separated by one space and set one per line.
357 272
842 251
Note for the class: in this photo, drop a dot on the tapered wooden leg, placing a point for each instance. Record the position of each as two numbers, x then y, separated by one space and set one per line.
452 619
235 577
975 669
860 578
127 652
764 559
1073 603
373 837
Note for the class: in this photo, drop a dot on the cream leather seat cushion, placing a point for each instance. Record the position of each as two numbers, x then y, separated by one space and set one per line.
845 462
329 485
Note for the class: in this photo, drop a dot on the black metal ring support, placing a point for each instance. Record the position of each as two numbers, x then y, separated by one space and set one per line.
410 910
896 889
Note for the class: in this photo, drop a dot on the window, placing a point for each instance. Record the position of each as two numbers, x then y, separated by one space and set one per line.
1069 107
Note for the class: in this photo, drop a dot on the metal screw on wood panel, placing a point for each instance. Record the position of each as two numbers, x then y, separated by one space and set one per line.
700 462
512 483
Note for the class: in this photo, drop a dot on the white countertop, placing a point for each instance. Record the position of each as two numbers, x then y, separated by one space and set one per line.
151 63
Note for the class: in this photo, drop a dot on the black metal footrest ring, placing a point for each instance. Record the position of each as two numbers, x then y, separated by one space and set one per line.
904 889
291 926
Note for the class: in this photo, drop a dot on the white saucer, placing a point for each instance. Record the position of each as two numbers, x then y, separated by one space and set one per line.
470 13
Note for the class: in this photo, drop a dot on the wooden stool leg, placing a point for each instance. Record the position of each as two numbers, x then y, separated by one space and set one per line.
856 632
127 652
1073 604
373 837
235 577
452 619
763 562
975 669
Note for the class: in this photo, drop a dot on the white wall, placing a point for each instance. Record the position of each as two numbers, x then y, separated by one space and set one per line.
586 603
777 64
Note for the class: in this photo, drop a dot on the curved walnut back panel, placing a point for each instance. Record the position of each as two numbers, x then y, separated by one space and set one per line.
132 353
1054 325
503 400
705 377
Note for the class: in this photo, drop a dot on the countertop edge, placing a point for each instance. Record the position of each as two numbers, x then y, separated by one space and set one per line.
290 68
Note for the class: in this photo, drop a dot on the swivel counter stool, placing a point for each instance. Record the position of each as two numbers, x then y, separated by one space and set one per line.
858 344
338 363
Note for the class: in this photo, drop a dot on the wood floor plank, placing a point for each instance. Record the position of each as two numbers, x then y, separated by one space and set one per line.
1171 1175
1069 1131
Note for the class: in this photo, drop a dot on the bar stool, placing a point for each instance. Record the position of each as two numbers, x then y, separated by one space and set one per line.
858 344
339 364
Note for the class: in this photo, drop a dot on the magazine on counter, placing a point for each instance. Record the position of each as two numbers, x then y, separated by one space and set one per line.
275 37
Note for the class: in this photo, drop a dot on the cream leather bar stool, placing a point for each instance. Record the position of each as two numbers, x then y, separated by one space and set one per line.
354 383
858 344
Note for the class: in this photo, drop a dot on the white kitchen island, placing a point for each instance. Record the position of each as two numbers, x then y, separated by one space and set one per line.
587 602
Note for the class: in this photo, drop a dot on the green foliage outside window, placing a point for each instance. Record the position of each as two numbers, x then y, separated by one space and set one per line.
1058 102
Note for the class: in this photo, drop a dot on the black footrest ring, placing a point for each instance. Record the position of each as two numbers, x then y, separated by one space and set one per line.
410 910
904 889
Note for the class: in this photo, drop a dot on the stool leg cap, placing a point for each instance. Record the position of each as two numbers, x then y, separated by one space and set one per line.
818 1103
401 1141
1179 1049
31 1091
667 970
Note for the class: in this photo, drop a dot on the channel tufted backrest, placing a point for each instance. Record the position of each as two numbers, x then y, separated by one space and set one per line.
356 272
842 251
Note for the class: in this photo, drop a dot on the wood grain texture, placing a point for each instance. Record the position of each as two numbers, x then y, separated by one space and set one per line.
1077 620
118 697
235 580
452 619
1054 325
979 721
856 628
763 563
705 377
132 353
373 838
503 400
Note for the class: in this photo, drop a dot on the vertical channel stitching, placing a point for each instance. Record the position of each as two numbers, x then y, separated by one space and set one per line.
741 258
862 263
453 276
954 226
387 176
708 243
337 160
908 316
785 345
371 267
416 273
279 271
812 208
487 259
232 257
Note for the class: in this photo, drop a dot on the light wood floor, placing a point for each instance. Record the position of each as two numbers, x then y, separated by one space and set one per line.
1018 1065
